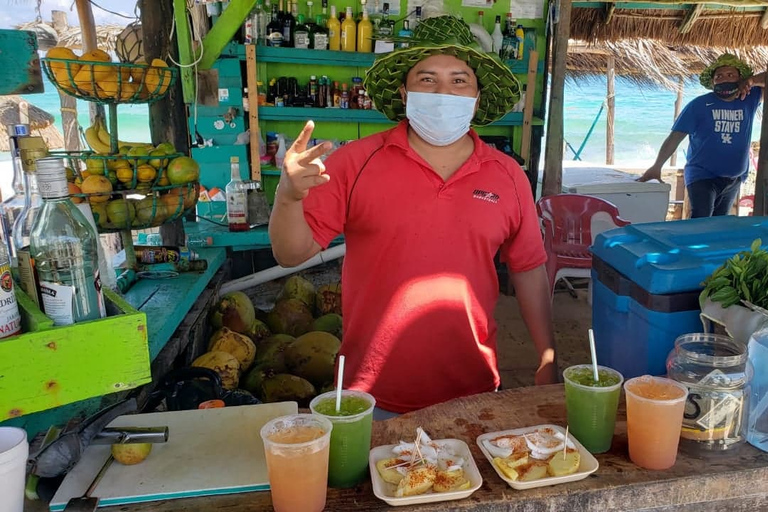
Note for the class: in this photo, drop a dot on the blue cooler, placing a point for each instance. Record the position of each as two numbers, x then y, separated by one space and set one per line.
646 281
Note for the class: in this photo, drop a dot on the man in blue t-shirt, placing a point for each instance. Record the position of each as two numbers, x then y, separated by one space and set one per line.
719 125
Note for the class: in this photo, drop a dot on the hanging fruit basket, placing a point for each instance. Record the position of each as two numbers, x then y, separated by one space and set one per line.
132 192
107 82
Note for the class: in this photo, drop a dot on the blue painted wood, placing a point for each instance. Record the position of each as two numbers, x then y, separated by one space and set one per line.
20 63
220 236
167 301
214 164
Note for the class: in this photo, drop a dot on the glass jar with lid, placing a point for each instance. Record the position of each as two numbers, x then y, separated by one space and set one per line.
718 374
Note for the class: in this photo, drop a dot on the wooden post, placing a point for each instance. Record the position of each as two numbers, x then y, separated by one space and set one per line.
167 117
186 54
553 160
678 108
764 20
90 42
611 107
762 168
530 92
68 103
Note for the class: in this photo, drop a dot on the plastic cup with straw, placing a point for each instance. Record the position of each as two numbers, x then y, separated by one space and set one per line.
591 400
351 413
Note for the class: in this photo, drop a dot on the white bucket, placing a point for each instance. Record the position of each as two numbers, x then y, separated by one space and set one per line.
14 451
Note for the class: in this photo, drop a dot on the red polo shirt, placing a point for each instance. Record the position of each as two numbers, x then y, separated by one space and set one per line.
419 283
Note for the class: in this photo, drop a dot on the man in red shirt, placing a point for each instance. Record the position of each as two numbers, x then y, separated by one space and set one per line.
424 207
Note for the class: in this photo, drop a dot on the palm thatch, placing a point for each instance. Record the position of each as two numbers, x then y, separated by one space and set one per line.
71 37
729 27
40 122
649 61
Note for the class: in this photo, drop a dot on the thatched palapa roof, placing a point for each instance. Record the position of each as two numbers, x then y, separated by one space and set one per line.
650 61
710 25
40 122
72 37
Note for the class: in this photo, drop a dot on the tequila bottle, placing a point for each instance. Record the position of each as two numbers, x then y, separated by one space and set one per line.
13 205
23 264
64 247
237 198
10 320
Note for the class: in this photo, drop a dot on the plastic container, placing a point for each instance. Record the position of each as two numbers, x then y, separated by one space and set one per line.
718 374
757 419
14 450
646 282
281 150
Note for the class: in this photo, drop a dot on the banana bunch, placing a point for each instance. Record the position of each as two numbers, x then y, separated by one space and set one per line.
98 138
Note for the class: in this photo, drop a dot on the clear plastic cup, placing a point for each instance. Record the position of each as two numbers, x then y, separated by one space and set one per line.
14 451
351 436
591 407
296 450
655 407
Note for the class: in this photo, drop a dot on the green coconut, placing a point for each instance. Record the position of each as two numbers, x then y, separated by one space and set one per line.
290 316
234 311
328 323
296 287
313 356
287 388
270 353
328 299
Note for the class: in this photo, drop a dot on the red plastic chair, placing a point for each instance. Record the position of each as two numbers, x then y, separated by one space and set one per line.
747 203
569 222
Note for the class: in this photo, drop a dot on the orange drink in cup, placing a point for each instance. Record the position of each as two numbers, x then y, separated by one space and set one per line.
296 449
655 408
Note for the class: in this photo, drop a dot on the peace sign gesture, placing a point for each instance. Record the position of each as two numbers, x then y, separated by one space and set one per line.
302 167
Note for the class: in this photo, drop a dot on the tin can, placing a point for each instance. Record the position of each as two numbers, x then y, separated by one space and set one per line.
718 373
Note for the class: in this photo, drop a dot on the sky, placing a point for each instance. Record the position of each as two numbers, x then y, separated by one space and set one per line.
16 12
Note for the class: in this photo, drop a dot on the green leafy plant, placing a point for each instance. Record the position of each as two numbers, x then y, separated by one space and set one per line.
744 277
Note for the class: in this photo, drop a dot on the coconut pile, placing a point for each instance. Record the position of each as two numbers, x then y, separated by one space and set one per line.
285 354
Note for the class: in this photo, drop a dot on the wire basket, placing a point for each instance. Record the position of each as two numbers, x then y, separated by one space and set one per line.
109 82
128 192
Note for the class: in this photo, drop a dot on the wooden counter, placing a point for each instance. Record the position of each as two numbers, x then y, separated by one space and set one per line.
734 482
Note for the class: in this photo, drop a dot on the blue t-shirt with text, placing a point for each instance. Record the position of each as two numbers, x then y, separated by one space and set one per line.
719 135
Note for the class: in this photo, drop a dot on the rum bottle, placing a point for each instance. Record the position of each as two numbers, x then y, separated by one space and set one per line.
237 198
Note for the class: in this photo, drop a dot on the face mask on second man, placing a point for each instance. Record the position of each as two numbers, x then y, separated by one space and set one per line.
726 89
439 119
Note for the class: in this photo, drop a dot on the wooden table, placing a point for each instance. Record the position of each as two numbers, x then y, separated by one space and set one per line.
733 482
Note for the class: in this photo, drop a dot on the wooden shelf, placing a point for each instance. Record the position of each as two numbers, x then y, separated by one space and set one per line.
300 114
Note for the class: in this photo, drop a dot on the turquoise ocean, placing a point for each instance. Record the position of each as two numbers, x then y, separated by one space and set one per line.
644 116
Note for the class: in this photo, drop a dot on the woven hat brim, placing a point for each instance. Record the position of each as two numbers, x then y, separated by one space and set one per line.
499 88
706 76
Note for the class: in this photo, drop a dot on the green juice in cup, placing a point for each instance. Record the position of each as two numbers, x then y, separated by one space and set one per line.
350 437
591 405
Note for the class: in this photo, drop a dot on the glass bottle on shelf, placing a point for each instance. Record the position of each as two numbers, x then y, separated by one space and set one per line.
237 198
365 33
497 37
255 25
22 227
520 37
509 43
417 17
324 12
275 29
289 25
349 32
481 19
318 35
310 17
404 32
64 247
301 34
387 25
10 319
13 205
334 31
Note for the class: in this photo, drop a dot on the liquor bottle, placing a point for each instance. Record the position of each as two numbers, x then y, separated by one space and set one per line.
275 29
344 96
418 16
289 25
301 34
348 32
336 95
375 17
328 92
404 32
520 36
10 319
334 31
319 35
359 14
237 198
13 205
325 12
365 34
481 19
386 26
310 18
254 25
24 267
313 90
497 37
509 43
64 247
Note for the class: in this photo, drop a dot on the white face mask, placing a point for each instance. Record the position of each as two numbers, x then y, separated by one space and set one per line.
439 119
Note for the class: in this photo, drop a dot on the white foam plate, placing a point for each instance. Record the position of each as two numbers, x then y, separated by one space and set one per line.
588 463
386 491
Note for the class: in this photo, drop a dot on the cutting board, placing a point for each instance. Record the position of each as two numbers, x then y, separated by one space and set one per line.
209 451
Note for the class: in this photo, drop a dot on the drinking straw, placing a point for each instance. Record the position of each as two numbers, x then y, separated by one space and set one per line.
565 443
593 354
339 379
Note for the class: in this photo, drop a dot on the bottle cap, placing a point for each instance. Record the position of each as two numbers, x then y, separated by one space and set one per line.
234 160
52 177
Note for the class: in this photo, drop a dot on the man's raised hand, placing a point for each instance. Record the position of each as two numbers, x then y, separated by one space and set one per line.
302 167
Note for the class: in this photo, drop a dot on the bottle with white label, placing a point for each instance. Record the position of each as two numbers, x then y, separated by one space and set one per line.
63 246
23 266
237 199
10 320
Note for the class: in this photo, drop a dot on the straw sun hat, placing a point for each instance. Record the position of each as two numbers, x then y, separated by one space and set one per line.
443 35
724 60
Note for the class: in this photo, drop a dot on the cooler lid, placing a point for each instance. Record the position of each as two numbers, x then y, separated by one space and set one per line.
676 256
595 180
